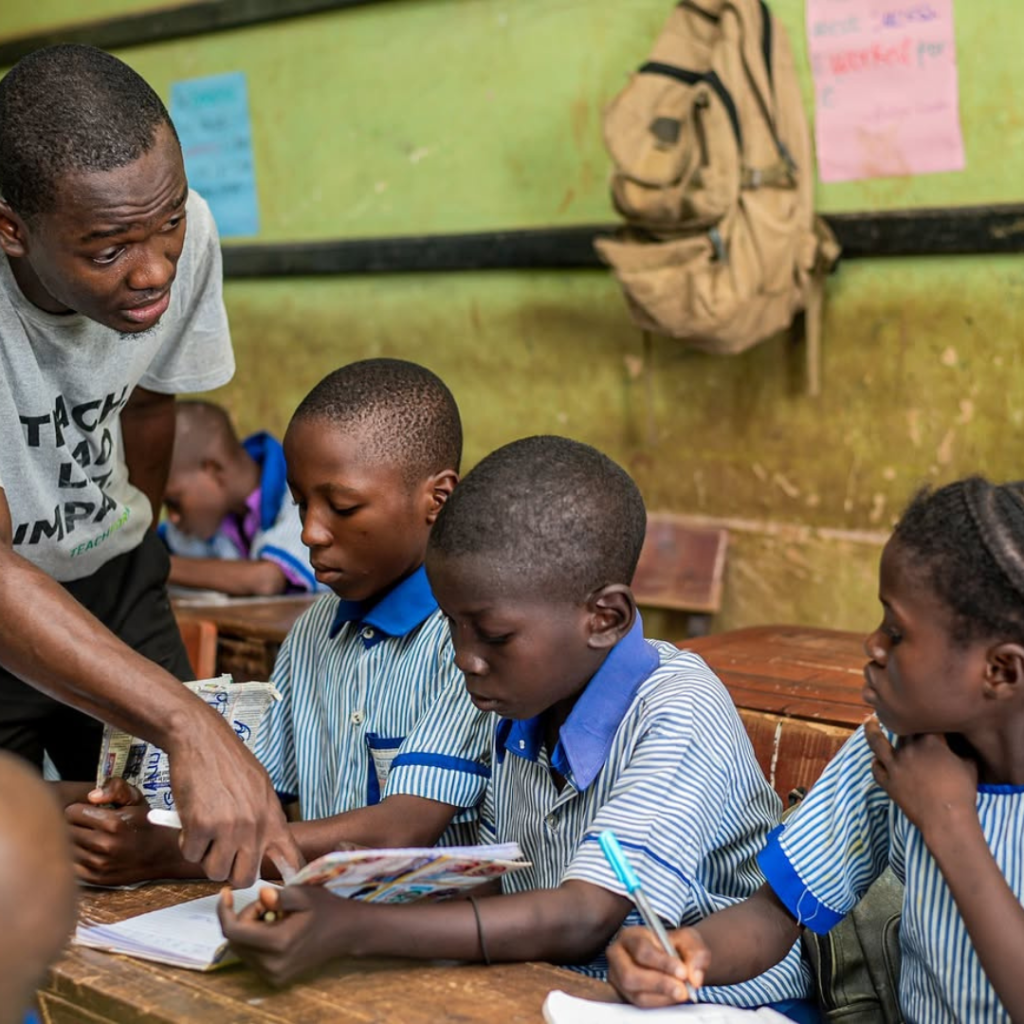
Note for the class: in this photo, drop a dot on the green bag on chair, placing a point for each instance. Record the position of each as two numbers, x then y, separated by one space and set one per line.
857 964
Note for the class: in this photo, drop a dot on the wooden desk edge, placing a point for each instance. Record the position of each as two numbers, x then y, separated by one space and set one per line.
87 985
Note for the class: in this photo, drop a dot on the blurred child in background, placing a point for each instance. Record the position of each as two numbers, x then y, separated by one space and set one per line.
231 523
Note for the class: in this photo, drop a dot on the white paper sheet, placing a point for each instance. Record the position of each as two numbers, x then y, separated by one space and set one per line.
560 1008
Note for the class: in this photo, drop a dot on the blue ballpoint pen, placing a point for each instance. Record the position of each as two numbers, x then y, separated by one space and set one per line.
616 857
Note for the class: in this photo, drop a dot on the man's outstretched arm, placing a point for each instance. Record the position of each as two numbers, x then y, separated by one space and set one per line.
231 815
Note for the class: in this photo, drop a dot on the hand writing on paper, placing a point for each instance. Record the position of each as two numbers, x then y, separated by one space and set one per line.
647 976
309 926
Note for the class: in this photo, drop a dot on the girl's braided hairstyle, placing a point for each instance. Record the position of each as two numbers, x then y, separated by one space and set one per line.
968 538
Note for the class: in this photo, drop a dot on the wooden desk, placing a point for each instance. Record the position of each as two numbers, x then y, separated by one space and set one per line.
89 986
249 633
793 671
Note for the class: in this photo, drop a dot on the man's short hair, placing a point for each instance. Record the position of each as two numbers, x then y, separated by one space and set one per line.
68 109
557 514
412 417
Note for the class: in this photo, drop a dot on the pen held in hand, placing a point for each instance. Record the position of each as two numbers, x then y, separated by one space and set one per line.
616 857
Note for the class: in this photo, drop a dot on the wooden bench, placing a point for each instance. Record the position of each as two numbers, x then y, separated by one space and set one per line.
681 569
200 639
249 632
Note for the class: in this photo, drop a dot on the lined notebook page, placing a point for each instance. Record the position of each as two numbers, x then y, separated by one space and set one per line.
183 935
560 1008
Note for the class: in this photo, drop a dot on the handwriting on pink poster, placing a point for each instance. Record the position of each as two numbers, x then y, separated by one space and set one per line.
886 88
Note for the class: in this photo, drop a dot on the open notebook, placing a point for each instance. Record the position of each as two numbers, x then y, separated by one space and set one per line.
189 935
560 1008
184 935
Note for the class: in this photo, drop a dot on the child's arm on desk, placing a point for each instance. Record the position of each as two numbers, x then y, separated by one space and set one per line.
260 578
117 845
569 924
399 820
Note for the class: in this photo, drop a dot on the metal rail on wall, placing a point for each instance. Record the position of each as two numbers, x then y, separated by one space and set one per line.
968 230
178 22
915 232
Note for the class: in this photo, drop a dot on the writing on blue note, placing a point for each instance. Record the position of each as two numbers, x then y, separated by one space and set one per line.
211 116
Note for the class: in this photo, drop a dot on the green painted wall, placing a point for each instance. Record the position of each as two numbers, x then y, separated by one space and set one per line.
415 116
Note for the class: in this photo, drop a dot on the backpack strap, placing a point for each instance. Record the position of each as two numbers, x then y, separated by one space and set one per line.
654 67
826 255
876 920
778 175
812 332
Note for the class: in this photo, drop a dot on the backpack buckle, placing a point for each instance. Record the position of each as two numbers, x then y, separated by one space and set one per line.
721 253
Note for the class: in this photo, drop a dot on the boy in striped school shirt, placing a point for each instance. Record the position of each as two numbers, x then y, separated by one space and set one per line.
934 787
531 561
375 736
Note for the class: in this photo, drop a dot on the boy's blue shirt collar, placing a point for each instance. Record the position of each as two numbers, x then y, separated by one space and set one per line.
397 613
268 453
586 735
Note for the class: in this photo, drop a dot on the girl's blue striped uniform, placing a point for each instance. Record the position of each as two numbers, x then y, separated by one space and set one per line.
654 750
373 705
840 840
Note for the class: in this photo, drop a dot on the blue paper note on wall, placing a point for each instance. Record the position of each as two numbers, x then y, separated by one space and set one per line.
212 119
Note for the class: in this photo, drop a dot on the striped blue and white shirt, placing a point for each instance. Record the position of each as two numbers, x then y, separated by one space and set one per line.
840 840
270 531
373 705
654 750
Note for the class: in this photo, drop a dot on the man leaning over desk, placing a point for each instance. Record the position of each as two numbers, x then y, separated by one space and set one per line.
110 304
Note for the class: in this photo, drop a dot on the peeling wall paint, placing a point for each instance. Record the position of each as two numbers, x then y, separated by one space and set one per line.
461 115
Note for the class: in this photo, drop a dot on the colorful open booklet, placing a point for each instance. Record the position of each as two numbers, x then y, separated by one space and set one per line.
404 875
188 934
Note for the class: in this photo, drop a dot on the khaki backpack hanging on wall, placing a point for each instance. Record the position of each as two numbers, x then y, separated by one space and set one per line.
713 174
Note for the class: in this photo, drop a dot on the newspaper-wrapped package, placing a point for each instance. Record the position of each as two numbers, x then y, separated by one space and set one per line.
146 766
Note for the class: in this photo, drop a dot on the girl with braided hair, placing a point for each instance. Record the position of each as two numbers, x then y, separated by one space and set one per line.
933 786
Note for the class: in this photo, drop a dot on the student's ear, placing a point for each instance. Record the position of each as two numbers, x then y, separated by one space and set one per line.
13 234
612 611
439 490
1004 671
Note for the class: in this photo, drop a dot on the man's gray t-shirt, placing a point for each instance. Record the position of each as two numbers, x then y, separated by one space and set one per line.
63 383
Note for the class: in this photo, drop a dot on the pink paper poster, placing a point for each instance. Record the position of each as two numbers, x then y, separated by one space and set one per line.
886 88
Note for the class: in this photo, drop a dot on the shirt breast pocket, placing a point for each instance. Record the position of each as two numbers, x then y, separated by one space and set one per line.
381 752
